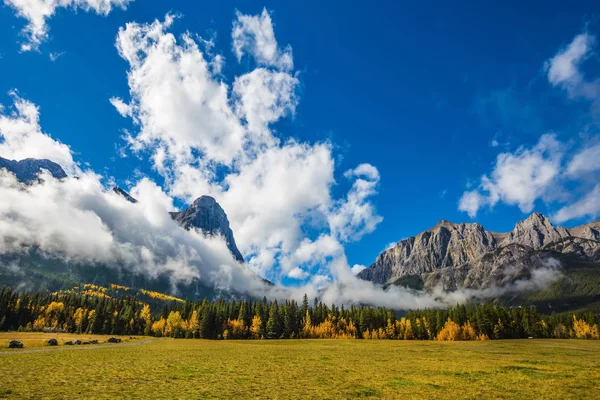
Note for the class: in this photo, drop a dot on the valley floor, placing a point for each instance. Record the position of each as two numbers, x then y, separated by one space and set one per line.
299 369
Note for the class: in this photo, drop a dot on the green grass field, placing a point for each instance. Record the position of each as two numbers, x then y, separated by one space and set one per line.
302 369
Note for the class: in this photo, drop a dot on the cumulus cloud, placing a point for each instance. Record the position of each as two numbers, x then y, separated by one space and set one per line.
587 206
175 99
358 268
38 12
586 161
22 137
518 178
529 174
541 172
564 68
254 35
470 202
206 137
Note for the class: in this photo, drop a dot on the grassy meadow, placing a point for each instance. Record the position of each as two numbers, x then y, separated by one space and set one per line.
300 369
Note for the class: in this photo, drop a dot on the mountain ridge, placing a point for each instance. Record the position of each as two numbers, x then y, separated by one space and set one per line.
449 245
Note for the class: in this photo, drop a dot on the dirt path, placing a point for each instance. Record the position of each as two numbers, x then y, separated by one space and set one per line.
75 347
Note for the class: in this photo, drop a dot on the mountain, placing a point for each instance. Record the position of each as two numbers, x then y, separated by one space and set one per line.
204 214
459 256
27 170
33 270
207 215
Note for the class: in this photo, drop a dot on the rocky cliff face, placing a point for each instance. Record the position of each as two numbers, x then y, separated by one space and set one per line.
444 245
207 215
27 170
466 255
536 232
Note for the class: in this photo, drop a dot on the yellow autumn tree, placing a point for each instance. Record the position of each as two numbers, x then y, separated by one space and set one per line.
390 329
146 316
158 327
467 332
236 328
307 329
193 324
174 324
78 317
256 327
91 321
583 330
451 331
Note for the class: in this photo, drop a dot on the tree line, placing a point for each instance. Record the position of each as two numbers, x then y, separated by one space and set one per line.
262 319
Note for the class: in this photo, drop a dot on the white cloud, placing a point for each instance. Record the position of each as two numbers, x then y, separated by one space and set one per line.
175 99
206 137
22 136
563 69
523 177
587 160
518 178
55 56
357 269
355 216
254 35
38 12
263 97
587 206
298 273
470 202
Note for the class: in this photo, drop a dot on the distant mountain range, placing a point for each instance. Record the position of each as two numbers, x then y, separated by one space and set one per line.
449 256
467 256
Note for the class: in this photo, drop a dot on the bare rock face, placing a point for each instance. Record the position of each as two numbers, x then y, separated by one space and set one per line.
444 245
536 232
208 216
467 256
588 231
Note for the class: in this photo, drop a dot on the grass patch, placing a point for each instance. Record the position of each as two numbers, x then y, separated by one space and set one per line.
302 369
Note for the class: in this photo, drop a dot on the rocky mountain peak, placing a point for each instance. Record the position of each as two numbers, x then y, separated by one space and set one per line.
204 214
536 232
28 170
444 224
208 216
205 201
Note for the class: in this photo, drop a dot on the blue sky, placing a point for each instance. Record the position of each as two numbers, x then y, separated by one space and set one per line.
429 95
